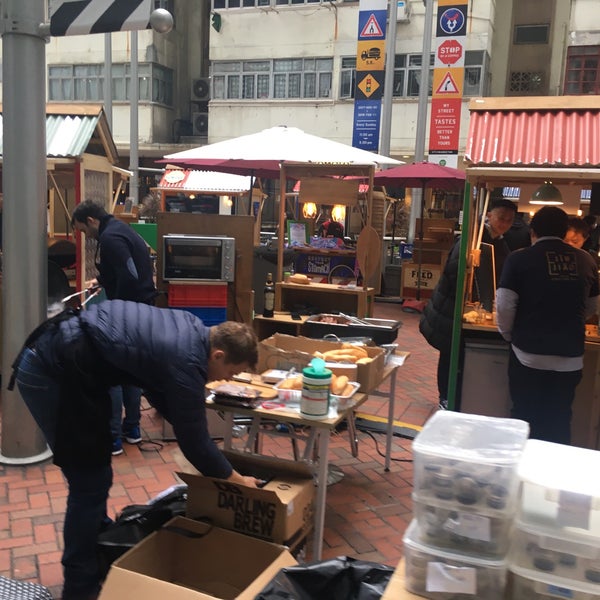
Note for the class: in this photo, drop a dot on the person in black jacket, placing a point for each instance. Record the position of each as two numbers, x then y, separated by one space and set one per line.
125 272
546 292
64 373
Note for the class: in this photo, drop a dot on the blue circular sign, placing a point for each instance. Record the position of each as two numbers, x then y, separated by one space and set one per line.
452 21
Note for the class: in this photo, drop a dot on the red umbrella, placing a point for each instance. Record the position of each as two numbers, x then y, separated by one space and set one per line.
422 175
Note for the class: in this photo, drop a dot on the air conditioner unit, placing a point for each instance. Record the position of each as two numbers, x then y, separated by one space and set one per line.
403 11
200 123
200 89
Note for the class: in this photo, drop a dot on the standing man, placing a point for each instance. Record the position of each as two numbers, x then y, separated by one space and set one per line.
64 373
125 272
546 293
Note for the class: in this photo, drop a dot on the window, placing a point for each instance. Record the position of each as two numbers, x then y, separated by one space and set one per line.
407 74
526 82
583 70
84 83
531 34
476 67
285 78
348 77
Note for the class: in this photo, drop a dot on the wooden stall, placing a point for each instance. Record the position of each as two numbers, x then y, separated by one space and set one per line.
556 138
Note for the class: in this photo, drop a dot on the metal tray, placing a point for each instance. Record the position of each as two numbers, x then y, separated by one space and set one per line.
381 331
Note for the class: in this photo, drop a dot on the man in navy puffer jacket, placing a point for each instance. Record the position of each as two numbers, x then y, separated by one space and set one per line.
64 373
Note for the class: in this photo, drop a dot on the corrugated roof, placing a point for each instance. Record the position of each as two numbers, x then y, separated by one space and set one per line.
534 132
205 181
70 129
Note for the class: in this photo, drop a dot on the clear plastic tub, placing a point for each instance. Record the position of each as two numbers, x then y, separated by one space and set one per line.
540 550
560 490
442 575
470 460
528 585
458 529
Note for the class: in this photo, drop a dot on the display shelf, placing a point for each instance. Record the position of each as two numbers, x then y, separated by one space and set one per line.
324 297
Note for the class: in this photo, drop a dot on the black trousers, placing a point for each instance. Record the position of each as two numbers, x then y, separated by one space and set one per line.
543 399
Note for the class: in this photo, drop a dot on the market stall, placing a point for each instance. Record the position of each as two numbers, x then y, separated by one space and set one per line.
522 142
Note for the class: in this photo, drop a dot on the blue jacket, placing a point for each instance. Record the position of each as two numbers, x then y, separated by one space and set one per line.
163 351
124 268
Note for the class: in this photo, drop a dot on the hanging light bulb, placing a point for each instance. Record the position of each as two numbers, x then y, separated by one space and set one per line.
309 210
547 195
338 213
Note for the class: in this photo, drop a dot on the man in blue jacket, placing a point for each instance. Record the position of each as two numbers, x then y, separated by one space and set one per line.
546 293
125 272
64 373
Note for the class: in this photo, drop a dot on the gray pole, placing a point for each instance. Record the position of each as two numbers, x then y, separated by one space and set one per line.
388 84
108 78
133 121
24 274
417 195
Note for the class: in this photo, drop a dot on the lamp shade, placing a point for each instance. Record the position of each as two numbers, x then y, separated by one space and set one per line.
547 195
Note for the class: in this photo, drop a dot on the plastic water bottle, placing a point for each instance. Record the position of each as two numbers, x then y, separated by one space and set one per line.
316 382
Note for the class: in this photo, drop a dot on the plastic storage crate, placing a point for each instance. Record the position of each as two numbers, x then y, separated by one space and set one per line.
560 490
527 585
441 575
469 462
210 315
186 295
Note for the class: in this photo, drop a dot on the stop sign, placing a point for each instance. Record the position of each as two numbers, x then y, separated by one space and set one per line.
449 52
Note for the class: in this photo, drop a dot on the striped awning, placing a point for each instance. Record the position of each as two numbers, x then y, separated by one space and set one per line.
204 181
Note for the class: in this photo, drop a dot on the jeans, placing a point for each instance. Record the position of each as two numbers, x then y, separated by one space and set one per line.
88 487
128 397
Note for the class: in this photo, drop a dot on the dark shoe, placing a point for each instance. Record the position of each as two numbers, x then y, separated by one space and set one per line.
443 405
117 447
132 435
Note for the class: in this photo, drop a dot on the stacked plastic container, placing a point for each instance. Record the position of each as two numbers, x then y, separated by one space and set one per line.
465 498
555 551
206 301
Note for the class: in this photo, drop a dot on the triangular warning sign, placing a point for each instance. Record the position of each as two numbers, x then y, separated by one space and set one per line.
371 28
448 86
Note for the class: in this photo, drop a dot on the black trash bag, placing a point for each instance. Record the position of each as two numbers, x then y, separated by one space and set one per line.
137 521
341 578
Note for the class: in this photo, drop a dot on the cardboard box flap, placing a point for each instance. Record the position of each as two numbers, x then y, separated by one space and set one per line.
251 464
190 560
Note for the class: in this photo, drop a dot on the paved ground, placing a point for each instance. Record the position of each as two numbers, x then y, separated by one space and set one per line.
367 511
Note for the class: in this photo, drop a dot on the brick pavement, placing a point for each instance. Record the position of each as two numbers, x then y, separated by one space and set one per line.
367 511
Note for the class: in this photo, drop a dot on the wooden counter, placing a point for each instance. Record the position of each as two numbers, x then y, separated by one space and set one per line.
278 323
325 297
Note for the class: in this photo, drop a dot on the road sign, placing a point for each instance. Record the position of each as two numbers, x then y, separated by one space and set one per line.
372 28
449 52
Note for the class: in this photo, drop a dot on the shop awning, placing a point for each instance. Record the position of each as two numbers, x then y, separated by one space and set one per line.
184 180
543 132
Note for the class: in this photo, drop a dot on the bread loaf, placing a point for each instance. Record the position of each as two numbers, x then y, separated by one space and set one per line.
299 278
339 384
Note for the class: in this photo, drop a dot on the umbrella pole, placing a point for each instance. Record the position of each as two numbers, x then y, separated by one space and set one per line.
422 211
250 192
281 234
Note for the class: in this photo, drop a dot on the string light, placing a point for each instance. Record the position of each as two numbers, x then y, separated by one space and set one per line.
338 213
309 210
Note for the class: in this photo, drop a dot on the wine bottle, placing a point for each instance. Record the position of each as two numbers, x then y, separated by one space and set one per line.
269 297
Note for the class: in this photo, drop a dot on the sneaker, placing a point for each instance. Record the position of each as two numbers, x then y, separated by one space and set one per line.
132 435
443 405
117 447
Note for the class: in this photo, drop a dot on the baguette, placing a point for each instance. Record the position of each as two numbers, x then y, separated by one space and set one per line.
347 390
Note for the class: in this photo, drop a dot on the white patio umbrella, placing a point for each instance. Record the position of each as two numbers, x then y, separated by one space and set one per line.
264 153
260 154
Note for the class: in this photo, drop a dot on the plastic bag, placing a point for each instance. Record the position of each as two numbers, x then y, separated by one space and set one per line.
341 578
137 521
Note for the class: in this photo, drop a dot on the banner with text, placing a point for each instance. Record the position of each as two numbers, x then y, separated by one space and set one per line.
448 82
370 72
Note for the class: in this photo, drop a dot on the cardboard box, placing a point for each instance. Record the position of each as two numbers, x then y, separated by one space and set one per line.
190 560
282 351
281 511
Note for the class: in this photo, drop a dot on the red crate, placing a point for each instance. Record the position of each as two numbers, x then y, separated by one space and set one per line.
198 295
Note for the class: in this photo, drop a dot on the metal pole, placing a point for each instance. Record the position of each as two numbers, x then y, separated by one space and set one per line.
108 78
133 121
417 195
388 84
24 274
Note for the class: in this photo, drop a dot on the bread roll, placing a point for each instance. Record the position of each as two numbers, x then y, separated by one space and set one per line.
338 386
364 361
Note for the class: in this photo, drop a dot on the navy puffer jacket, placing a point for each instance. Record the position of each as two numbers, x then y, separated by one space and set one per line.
163 351
438 316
